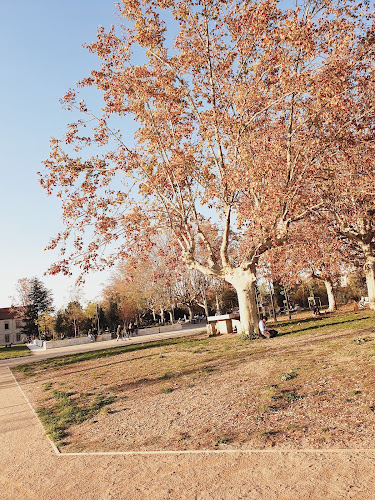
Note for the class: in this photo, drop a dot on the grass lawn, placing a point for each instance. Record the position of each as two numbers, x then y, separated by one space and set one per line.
16 351
313 386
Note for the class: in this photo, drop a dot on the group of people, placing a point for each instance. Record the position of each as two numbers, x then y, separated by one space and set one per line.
93 334
127 331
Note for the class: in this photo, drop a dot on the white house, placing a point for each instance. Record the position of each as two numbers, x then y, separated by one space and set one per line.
10 327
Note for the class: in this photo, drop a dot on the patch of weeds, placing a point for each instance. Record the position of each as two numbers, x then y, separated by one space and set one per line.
355 392
327 429
25 369
208 369
66 412
223 439
249 336
293 397
366 408
61 394
289 376
319 393
362 340
271 408
47 386
85 394
142 380
184 436
283 398
269 433
167 376
166 390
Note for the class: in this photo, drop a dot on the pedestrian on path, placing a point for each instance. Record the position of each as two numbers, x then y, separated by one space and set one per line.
118 333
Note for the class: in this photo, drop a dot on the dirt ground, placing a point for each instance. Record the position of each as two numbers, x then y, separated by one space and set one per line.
30 469
292 392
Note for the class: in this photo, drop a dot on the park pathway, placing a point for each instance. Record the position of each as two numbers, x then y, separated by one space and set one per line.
30 467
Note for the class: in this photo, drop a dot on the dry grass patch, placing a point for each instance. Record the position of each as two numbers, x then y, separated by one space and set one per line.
313 386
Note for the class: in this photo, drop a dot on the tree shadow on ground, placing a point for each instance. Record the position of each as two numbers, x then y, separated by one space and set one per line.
320 326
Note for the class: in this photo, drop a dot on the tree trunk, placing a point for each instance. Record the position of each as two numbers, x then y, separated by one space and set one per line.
171 316
153 315
205 304
270 284
287 302
162 316
190 313
244 283
369 269
331 297
218 309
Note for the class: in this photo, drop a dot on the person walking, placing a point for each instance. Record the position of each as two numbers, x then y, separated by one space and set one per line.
125 332
118 332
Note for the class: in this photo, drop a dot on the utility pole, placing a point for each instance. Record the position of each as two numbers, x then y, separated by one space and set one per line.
287 302
97 318
270 284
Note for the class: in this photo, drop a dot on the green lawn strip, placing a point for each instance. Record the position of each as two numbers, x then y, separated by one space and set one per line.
16 351
67 410
329 323
30 369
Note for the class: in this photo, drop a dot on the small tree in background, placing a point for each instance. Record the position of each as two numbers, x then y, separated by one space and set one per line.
76 317
39 301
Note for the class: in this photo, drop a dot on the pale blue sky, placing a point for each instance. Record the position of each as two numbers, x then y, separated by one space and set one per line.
41 56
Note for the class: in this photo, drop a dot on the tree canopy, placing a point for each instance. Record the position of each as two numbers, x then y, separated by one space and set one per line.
242 108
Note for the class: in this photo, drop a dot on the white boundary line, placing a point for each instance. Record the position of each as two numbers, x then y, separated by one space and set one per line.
280 451
188 452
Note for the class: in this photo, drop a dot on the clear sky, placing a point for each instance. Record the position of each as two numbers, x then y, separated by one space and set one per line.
41 57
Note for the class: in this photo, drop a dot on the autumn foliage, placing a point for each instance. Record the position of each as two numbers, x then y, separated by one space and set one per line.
222 123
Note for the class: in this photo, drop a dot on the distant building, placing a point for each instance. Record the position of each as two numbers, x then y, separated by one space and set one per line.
10 327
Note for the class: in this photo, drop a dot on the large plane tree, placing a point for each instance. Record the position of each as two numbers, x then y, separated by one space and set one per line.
210 129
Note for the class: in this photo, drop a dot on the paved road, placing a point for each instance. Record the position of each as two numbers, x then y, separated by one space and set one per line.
31 469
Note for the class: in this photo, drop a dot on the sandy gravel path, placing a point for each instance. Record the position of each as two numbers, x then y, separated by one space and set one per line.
31 469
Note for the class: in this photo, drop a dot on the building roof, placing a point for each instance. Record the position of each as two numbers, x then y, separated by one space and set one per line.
9 312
